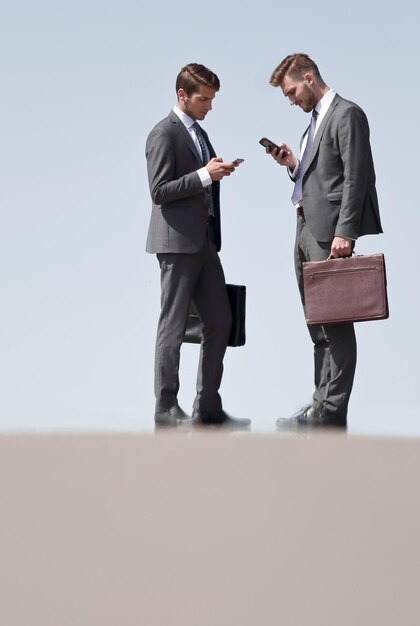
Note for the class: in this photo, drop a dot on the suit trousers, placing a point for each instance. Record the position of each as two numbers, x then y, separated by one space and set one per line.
198 277
335 349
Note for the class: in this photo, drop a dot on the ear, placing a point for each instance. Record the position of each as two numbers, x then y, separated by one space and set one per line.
181 94
308 78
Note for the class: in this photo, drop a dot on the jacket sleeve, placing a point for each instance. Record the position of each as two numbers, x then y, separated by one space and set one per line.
161 169
355 151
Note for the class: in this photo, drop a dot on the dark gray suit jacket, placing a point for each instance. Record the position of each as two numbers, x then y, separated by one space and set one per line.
180 203
339 194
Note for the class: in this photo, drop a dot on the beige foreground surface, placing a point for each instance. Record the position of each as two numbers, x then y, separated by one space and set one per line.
209 529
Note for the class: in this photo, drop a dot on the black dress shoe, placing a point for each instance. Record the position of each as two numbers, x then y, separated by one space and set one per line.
220 418
173 417
312 417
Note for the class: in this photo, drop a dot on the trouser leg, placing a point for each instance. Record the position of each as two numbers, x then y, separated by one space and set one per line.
212 304
198 277
178 277
335 349
335 353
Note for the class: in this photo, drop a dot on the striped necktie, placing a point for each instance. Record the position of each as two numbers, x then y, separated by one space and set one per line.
200 140
204 158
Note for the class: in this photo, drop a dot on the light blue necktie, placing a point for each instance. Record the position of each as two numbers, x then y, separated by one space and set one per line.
297 191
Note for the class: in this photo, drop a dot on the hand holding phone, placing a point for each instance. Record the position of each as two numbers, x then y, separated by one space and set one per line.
267 143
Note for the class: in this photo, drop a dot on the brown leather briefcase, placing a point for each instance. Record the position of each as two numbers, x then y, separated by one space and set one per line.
351 289
237 301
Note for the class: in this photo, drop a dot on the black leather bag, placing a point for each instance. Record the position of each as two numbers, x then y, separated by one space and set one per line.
237 299
351 289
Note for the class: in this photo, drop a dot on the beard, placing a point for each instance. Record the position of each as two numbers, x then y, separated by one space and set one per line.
309 99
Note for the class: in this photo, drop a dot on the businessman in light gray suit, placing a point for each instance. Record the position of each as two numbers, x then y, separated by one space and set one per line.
184 179
336 202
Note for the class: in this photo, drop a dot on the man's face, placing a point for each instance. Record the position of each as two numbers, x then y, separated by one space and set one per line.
300 92
198 104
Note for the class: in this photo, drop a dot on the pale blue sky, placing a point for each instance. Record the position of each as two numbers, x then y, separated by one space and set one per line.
82 85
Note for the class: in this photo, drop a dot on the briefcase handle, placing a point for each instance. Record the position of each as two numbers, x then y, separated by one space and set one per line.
348 256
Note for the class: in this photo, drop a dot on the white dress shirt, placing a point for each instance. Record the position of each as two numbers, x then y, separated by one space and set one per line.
188 123
321 108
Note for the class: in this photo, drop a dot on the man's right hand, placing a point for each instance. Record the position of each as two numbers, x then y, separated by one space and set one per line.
218 170
284 156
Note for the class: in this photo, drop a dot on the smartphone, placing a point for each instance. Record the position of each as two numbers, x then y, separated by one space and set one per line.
237 162
267 143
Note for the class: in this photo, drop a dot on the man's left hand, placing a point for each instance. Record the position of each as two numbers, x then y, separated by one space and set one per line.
341 246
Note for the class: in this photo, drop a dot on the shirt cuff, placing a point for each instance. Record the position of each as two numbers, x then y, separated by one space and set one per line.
204 176
345 237
293 174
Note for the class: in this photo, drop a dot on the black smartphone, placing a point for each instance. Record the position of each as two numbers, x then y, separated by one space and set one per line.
267 143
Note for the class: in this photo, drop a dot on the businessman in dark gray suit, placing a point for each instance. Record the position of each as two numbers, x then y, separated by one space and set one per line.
184 179
336 202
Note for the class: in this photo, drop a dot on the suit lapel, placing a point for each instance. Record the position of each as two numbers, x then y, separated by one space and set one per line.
320 131
186 135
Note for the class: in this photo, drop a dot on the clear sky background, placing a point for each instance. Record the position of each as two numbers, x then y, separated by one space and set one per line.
82 84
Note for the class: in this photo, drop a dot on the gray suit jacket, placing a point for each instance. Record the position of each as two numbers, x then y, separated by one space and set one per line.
339 194
180 203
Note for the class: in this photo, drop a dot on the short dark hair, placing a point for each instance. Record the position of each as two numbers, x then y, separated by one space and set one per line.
295 66
193 75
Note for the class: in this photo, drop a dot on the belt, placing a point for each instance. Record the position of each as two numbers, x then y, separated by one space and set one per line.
299 211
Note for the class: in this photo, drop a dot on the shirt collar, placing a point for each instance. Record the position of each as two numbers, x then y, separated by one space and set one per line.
324 104
185 119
